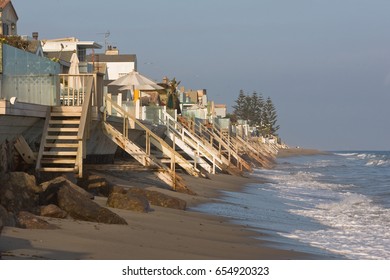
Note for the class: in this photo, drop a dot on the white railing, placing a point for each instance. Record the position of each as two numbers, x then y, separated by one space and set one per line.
190 139
73 89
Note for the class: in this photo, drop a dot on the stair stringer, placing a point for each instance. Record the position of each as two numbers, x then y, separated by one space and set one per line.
167 175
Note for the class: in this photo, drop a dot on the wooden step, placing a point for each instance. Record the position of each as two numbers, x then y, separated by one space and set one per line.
61 137
66 109
57 161
56 169
65 114
63 129
59 153
64 121
61 145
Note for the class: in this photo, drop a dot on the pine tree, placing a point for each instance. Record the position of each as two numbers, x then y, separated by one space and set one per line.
257 112
247 112
239 108
255 109
269 118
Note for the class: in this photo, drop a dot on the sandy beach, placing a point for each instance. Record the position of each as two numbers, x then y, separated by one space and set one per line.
162 233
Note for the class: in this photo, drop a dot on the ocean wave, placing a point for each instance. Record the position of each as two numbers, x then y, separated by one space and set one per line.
341 194
366 156
346 154
301 180
369 158
357 227
378 162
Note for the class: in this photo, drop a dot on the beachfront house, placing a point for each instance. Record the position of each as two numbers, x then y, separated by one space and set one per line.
35 45
8 18
113 65
66 119
61 49
117 64
220 110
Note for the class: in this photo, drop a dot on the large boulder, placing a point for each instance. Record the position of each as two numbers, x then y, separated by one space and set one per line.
50 190
31 221
1 226
7 218
18 191
159 199
128 201
153 197
82 208
53 211
3 216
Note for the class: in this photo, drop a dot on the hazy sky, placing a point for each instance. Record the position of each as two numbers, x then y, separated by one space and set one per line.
324 63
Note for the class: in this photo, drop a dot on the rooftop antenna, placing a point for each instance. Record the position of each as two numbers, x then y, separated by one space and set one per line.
106 35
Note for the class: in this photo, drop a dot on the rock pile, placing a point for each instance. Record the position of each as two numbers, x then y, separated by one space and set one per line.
23 203
138 199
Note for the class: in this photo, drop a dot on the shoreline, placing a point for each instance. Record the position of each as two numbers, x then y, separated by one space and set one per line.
293 152
162 234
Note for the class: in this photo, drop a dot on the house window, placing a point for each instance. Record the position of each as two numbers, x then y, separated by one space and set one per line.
5 29
81 54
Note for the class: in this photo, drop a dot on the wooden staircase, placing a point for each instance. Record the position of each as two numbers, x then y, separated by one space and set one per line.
221 144
262 155
144 155
66 129
190 144
163 172
60 146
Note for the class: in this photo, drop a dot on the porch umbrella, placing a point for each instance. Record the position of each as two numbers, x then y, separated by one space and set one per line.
141 87
134 80
74 81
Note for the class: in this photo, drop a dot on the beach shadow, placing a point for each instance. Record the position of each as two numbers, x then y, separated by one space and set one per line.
13 248
135 179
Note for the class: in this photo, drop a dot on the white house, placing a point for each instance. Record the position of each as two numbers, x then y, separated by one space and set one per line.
220 110
63 48
116 64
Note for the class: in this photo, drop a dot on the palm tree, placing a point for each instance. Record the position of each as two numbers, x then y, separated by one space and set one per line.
173 99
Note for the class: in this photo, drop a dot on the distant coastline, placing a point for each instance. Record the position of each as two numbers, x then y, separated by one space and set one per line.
291 152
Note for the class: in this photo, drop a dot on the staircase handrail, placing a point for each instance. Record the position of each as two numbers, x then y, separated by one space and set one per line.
151 134
43 140
231 141
84 128
231 150
195 138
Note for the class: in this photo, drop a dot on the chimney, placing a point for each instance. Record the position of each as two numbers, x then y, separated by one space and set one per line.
35 35
112 51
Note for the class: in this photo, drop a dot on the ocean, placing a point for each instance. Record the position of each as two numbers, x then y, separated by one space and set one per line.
335 205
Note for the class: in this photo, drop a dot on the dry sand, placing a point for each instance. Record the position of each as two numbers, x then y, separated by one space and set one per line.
160 234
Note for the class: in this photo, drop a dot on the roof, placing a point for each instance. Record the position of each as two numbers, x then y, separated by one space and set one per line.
82 44
113 58
4 3
33 46
89 45
65 56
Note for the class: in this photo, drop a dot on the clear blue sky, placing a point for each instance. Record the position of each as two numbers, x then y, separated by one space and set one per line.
324 63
